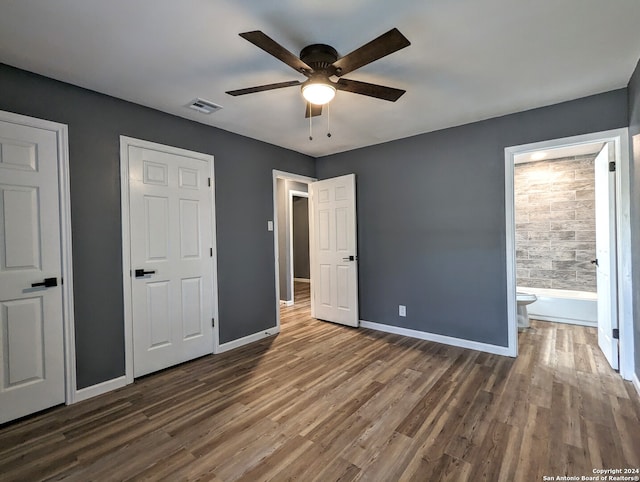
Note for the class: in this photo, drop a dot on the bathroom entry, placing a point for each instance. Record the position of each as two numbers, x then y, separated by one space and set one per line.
565 238
562 235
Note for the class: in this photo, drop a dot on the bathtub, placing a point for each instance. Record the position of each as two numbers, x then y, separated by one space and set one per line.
563 306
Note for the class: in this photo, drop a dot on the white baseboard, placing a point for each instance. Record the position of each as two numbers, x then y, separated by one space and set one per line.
286 302
248 339
99 389
567 321
302 280
447 340
636 383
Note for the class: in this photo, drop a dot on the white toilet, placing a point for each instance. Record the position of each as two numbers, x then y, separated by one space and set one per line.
524 299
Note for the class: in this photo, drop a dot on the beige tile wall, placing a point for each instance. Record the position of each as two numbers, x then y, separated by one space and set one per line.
555 223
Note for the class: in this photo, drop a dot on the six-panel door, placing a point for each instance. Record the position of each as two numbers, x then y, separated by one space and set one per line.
31 330
171 242
333 253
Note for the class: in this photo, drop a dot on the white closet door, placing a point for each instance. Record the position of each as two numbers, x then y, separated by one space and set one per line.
171 258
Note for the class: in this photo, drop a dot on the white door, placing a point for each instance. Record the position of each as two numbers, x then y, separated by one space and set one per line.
334 257
171 258
606 254
31 334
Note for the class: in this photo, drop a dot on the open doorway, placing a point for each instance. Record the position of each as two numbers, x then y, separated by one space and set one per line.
616 229
299 239
333 256
291 239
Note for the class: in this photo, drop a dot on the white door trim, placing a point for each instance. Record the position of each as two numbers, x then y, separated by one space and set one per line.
293 194
289 177
620 138
62 136
125 143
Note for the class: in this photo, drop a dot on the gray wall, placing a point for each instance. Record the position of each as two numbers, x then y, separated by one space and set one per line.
431 216
555 223
634 134
245 247
430 213
301 268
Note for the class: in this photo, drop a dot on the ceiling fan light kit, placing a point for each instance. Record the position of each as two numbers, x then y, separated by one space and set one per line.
318 93
319 62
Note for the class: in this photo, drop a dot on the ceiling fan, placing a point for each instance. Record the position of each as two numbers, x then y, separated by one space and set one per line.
320 62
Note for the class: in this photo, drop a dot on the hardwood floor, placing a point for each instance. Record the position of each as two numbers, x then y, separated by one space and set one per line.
324 402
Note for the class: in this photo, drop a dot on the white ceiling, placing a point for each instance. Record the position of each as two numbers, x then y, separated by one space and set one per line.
469 59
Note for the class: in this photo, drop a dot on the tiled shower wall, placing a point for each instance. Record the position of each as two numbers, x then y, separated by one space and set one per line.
555 223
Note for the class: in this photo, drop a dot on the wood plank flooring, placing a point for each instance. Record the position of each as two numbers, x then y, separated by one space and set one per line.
324 402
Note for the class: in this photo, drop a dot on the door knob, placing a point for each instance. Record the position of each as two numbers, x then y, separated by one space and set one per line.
47 283
350 258
141 272
595 261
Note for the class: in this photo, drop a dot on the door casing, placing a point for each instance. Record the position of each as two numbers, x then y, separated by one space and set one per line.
125 143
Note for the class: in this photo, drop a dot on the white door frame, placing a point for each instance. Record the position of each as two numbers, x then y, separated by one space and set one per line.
62 137
125 143
288 176
620 139
293 194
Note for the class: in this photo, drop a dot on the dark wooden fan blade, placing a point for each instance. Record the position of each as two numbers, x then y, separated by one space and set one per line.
312 110
262 88
382 46
372 90
259 39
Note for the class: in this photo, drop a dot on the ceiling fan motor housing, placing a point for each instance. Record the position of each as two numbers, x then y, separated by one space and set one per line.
320 58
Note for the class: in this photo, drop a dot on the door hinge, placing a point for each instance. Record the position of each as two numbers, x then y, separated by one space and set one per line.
612 166
211 252
209 182
213 322
616 333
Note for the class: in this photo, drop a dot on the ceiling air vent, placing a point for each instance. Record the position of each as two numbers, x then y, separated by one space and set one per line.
204 106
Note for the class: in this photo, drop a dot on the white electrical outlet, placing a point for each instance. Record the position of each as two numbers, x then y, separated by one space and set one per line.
269 225
402 310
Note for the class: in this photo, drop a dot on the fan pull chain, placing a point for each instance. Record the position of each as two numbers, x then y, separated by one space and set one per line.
310 121
329 120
